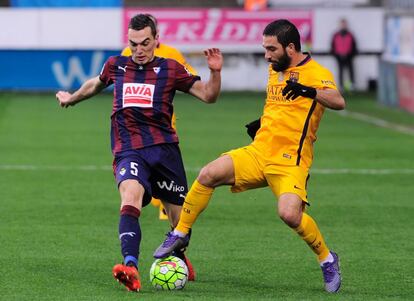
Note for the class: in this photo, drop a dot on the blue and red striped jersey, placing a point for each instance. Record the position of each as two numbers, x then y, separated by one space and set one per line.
143 100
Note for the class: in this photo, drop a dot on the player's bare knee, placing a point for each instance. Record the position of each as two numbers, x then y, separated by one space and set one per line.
290 218
130 197
131 193
207 176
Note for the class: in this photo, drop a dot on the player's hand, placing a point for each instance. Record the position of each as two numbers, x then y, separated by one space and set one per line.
214 59
252 128
63 98
294 89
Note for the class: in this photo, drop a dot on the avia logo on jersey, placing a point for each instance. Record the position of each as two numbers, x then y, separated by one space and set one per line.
138 95
170 187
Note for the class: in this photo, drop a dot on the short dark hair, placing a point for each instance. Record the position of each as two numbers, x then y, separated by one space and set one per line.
140 21
285 32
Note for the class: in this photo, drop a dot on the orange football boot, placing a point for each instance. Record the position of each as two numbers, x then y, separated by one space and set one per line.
191 271
128 276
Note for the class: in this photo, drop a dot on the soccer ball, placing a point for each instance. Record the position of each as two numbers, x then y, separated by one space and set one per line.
170 273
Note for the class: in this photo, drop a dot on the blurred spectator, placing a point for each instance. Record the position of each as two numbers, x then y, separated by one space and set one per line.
344 48
255 5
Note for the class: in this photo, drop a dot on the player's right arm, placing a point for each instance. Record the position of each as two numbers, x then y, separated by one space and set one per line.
89 88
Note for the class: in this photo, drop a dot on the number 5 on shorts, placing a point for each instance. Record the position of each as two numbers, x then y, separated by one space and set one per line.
134 169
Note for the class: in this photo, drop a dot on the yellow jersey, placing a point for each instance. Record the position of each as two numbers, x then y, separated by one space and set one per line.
168 52
288 127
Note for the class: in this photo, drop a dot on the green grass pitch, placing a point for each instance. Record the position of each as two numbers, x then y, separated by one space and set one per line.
59 206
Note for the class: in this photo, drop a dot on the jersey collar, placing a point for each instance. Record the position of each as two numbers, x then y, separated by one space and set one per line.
305 60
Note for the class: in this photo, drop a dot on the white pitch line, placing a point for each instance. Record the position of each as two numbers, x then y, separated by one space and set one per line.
328 171
378 122
55 167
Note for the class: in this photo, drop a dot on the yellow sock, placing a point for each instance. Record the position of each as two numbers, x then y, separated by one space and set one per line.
155 202
195 202
310 233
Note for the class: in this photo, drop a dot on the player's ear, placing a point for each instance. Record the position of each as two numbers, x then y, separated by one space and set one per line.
157 42
290 49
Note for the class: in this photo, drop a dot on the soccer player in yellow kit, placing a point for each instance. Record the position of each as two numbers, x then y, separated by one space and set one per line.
169 52
281 154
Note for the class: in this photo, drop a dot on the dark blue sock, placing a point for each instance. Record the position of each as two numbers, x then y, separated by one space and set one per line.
130 234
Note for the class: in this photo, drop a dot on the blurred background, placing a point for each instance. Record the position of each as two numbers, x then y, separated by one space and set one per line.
49 45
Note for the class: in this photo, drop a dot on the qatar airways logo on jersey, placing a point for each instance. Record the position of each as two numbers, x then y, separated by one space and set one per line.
274 93
138 95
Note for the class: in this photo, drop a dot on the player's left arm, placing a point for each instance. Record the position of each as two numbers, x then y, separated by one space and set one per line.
328 97
210 90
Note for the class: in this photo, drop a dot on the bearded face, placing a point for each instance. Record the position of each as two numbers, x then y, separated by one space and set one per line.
282 63
276 54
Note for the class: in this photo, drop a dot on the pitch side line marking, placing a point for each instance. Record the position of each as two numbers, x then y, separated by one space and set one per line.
330 171
55 167
362 171
378 122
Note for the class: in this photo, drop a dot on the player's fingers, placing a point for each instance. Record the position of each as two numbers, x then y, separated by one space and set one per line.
287 95
290 95
60 94
294 96
214 51
285 90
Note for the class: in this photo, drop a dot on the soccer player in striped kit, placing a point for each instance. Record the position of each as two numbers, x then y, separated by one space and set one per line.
147 159
166 51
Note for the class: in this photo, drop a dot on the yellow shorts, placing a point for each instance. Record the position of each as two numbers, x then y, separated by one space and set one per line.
251 171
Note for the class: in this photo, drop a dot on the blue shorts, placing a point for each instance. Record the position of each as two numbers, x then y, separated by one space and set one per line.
159 168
